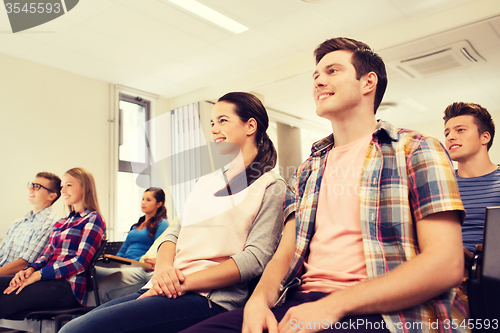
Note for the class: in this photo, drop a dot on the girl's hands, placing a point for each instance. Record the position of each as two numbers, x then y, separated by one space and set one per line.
168 282
21 280
21 276
151 261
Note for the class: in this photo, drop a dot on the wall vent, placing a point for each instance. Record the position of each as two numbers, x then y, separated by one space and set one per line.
444 59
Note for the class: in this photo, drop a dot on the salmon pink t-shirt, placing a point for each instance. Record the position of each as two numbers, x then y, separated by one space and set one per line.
336 259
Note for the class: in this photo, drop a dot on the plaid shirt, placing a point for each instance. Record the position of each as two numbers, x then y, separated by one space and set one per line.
27 237
72 244
406 177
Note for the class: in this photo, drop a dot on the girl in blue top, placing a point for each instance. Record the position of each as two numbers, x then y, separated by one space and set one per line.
149 227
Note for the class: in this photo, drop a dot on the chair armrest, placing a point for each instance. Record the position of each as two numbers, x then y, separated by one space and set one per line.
125 261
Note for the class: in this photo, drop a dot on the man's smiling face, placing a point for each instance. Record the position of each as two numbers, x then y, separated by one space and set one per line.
336 88
462 138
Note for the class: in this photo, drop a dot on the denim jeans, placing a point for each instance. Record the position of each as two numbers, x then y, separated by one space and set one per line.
151 314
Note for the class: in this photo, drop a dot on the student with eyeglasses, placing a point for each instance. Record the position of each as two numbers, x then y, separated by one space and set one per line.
27 236
58 279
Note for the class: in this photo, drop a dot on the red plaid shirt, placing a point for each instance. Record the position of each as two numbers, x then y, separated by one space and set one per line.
72 244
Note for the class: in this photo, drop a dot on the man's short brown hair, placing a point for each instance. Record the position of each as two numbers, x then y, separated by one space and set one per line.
55 183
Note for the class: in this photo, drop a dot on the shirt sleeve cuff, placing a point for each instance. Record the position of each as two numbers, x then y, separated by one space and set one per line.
48 273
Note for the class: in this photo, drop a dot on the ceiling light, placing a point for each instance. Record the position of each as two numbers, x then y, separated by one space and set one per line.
210 15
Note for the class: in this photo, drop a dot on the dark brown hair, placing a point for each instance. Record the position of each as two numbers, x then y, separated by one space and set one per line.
363 59
55 183
161 212
482 118
247 106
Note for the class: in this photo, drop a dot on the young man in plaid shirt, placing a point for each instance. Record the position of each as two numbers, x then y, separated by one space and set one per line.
372 240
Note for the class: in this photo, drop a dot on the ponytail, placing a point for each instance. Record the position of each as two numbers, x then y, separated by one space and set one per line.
264 161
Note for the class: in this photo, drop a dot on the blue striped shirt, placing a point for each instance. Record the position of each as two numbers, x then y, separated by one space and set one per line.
477 193
27 237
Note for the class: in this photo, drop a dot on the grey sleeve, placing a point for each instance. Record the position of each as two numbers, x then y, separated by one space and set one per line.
173 234
264 234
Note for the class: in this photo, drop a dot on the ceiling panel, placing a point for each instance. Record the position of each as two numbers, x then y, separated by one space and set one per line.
211 58
174 17
358 15
157 47
258 46
142 32
88 9
99 46
255 12
414 9
299 29
481 36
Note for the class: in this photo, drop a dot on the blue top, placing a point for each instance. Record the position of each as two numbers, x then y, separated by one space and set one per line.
477 193
138 242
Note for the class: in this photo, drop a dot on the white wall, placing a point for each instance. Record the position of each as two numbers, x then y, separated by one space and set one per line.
50 120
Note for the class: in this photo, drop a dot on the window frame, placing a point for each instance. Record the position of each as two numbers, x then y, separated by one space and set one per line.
127 166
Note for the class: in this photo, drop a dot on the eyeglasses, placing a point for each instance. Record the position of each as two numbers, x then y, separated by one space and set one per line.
36 187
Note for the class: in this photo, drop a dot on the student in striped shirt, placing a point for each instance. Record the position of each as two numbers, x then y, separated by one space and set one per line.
27 237
57 279
469 132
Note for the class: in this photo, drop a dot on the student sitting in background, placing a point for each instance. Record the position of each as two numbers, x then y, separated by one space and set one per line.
27 237
469 132
117 282
149 227
128 280
58 279
141 237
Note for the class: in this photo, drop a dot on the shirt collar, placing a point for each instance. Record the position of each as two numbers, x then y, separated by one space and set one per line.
386 129
30 214
77 214
383 129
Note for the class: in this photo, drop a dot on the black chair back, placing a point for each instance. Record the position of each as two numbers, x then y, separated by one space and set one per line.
490 272
483 285
112 248
92 271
